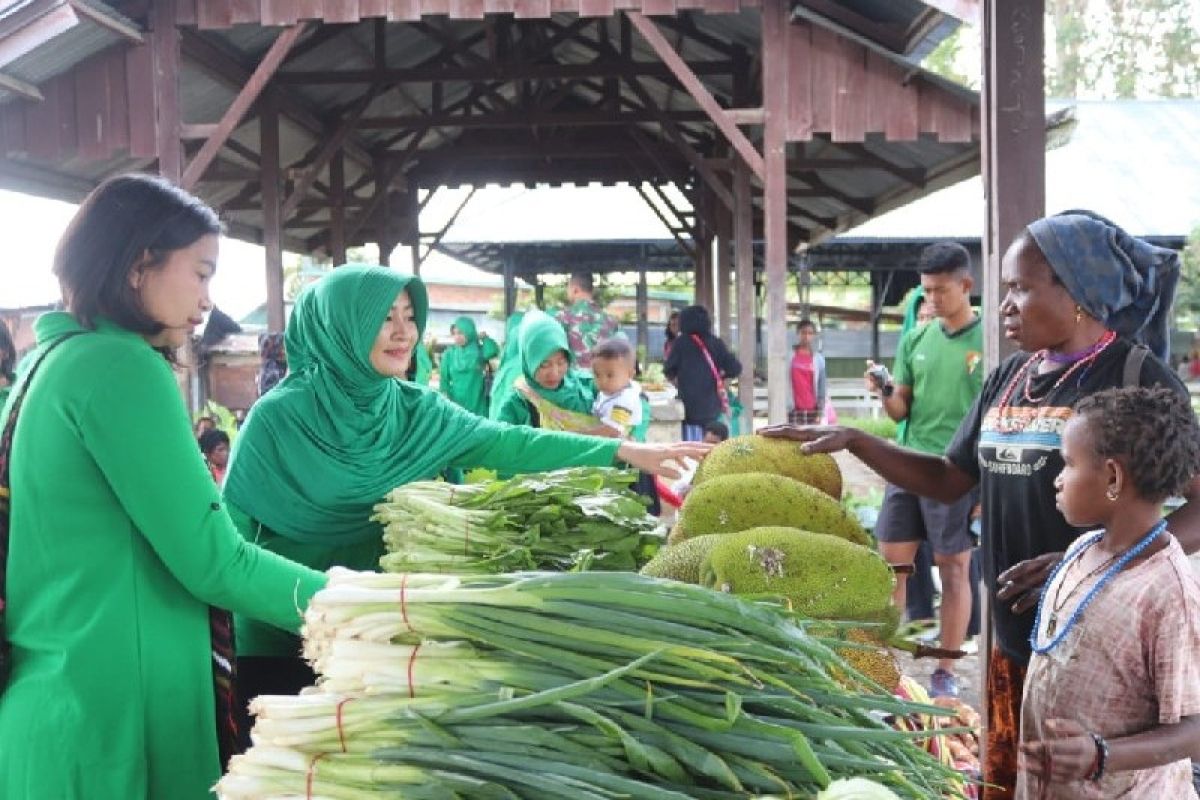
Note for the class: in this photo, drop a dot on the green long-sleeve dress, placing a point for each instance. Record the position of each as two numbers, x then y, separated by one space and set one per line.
540 336
329 441
119 544
462 368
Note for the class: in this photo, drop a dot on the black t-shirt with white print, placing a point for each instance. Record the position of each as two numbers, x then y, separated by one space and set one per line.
1015 455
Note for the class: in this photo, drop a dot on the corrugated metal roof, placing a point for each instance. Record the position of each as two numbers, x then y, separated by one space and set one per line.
63 51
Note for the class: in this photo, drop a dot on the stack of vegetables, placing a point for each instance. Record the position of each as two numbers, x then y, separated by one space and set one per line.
585 685
580 518
765 518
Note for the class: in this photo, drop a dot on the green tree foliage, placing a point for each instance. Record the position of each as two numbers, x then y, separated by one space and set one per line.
1187 297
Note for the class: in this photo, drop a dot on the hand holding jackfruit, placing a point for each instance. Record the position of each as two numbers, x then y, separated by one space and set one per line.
731 503
778 456
820 575
681 562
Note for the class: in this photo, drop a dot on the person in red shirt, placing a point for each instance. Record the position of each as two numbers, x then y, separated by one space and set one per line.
807 379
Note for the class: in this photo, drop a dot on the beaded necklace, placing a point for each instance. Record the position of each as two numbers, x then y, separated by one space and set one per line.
1082 360
1130 554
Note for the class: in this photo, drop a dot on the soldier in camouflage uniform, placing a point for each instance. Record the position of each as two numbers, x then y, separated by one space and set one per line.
584 319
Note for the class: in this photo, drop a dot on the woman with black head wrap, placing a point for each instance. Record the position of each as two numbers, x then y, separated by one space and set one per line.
1081 294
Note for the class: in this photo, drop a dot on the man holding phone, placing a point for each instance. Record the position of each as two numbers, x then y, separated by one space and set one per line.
938 375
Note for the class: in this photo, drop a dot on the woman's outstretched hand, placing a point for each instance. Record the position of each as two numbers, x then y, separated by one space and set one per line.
662 459
816 438
1022 582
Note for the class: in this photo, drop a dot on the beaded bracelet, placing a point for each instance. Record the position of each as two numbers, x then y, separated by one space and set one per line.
1101 757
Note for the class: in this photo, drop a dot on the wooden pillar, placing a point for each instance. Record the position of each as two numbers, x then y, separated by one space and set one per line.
268 126
743 242
384 227
643 324
724 272
510 286
1014 175
164 50
1014 144
539 293
337 209
775 95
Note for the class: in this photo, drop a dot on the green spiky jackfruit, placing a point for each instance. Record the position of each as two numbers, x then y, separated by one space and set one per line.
821 576
777 456
732 503
681 562
871 657
675 535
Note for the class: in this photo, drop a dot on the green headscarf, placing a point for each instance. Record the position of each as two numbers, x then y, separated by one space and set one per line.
334 436
540 336
462 369
510 364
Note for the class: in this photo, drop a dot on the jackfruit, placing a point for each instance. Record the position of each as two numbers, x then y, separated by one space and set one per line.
870 656
821 576
675 535
681 562
732 503
778 456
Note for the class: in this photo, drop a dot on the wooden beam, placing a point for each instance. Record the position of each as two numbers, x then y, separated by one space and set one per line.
499 73
744 147
775 98
337 209
21 88
194 131
1014 145
724 235
241 104
686 246
598 117
268 125
332 144
743 242
165 54
110 23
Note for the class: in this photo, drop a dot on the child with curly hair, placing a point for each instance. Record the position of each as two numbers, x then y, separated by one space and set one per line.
1112 697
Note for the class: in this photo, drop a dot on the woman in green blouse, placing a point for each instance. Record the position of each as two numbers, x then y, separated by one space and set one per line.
463 365
118 541
338 433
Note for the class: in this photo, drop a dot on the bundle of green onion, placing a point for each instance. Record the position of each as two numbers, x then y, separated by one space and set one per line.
568 685
581 518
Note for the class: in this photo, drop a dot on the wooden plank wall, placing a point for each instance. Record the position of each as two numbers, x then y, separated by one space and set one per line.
101 108
216 14
839 87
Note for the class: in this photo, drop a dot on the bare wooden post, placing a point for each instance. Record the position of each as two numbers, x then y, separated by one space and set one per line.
164 48
1014 124
337 209
1013 129
383 216
724 269
510 286
743 242
643 309
268 126
775 95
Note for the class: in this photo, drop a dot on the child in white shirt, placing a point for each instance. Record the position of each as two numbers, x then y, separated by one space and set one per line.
618 402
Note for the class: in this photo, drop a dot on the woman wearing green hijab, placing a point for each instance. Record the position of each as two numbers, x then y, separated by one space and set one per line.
333 437
510 364
549 392
463 366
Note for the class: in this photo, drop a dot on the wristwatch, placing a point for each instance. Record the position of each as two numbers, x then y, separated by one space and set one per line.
887 389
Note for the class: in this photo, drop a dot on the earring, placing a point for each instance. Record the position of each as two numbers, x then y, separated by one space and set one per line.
1079 315
1112 495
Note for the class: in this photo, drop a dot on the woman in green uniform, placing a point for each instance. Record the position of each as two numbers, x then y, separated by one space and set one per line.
118 542
463 365
550 392
330 440
510 364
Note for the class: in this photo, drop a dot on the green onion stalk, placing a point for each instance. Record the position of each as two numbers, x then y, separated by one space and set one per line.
570 685
573 519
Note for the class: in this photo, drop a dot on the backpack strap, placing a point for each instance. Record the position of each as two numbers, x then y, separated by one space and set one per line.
1133 365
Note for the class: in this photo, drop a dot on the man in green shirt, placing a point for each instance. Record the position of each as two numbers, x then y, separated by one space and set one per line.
585 321
938 375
